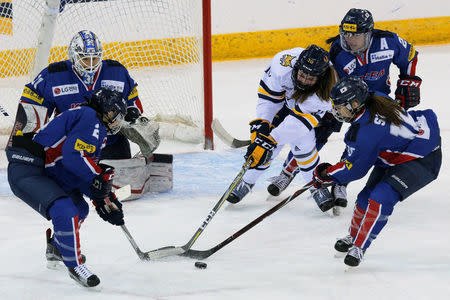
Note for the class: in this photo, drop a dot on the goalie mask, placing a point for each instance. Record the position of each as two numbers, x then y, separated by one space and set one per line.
349 96
111 108
85 53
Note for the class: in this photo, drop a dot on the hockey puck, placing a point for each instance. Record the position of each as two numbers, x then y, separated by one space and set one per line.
200 265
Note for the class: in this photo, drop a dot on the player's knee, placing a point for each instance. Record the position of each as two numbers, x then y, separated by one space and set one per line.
63 208
362 199
384 194
83 209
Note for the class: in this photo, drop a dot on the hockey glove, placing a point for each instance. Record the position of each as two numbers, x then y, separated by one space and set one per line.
327 126
132 114
110 210
259 126
260 150
320 177
408 91
102 183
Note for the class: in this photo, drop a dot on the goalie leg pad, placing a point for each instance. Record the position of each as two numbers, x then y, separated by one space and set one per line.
143 175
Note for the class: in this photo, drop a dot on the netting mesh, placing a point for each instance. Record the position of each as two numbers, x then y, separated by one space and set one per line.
159 41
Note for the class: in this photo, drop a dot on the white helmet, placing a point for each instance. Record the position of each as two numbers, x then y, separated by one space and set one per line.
85 53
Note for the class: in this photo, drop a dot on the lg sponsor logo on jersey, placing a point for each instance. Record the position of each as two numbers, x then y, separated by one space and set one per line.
66 89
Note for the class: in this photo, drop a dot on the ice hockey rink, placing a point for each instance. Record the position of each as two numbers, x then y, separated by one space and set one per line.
289 255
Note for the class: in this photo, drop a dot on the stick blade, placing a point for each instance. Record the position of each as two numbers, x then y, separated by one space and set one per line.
164 252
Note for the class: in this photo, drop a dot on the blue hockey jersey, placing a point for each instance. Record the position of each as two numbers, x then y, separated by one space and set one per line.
59 88
73 142
373 65
383 144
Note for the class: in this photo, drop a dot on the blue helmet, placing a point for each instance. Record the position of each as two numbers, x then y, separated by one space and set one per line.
356 21
345 92
111 107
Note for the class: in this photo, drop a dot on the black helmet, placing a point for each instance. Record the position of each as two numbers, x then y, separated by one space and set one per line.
313 61
110 106
356 21
345 92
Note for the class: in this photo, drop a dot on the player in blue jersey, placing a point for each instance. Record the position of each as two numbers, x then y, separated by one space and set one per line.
360 50
54 169
403 147
66 84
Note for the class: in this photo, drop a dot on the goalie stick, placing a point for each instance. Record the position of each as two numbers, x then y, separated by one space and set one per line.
202 254
172 250
226 137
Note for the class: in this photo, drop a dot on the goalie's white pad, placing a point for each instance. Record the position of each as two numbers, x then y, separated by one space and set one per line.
144 175
145 133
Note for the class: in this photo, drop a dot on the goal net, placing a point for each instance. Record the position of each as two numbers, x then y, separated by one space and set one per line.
160 42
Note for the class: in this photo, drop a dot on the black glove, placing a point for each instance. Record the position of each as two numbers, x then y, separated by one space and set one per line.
320 177
259 126
260 150
408 91
326 127
110 210
132 114
102 183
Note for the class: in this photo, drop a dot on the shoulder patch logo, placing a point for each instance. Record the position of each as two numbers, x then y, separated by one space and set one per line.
286 59
348 164
82 146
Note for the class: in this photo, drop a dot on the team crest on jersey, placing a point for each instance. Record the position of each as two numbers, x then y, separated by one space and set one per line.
286 59
82 146
66 89
381 55
113 85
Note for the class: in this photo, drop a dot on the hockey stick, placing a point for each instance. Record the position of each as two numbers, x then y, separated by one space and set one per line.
202 254
172 250
226 137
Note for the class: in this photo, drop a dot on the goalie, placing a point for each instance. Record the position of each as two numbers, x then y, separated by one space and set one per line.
66 84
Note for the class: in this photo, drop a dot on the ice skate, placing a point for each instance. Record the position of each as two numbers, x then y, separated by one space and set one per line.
279 183
54 258
323 198
83 276
343 245
354 257
239 191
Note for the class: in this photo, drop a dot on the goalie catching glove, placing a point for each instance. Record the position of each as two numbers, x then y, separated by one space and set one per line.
260 150
408 91
259 126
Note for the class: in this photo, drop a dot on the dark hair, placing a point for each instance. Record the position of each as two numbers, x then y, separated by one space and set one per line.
322 87
385 108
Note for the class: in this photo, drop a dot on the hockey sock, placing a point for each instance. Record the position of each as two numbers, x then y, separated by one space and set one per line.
65 220
358 214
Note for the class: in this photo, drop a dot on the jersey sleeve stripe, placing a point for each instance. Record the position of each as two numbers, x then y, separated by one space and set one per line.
309 118
264 86
261 96
394 158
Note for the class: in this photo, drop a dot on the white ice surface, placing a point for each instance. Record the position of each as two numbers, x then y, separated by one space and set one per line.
288 256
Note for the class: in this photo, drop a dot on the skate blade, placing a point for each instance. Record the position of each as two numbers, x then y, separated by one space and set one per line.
337 211
54 265
338 254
